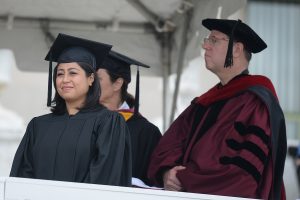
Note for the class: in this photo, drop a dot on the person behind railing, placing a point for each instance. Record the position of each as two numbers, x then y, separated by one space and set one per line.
81 140
232 139
114 76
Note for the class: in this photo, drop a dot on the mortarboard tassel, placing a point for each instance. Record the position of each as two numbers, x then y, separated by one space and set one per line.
229 58
49 81
137 92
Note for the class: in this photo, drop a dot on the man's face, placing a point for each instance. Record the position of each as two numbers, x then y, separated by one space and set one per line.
215 47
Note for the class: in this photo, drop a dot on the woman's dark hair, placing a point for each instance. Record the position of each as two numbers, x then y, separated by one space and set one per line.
92 99
130 100
125 96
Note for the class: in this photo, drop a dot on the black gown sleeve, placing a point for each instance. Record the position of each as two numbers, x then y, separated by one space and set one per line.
111 164
23 164
144 138
153 136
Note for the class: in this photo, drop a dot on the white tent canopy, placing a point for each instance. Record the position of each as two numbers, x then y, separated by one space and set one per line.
164 34
135 27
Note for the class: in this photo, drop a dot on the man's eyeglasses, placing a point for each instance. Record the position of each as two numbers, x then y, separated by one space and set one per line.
213 40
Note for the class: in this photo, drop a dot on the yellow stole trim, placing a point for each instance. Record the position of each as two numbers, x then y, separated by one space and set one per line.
126 115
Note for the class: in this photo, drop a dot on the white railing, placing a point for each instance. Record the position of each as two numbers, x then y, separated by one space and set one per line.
34 189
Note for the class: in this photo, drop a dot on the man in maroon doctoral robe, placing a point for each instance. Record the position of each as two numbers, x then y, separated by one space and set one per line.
231 140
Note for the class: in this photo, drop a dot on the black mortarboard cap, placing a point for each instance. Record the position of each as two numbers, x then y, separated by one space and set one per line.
119 64
68 48
237 31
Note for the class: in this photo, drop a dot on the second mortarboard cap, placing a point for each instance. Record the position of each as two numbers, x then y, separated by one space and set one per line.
237 31
119 64
66 49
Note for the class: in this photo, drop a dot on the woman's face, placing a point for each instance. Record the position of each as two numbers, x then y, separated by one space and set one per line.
72 84
109 90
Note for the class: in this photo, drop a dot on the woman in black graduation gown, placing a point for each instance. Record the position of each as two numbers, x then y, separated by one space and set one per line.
114 75
80 141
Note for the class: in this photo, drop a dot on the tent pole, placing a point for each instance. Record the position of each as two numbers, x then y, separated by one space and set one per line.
166 63
182 50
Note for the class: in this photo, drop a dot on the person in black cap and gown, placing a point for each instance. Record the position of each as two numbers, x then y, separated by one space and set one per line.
81 140
231 140
115 75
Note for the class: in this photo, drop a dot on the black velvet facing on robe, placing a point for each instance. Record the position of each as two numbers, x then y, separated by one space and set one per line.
210 120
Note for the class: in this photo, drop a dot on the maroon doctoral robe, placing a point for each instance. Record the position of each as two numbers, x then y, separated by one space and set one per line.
231 140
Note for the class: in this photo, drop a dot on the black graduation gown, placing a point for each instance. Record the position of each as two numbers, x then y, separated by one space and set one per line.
89 147
144 138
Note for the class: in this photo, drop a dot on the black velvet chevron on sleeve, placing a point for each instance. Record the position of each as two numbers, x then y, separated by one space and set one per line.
243 164
259 132
248 146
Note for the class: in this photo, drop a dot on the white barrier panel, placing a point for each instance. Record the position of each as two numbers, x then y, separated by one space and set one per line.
33 189
2 188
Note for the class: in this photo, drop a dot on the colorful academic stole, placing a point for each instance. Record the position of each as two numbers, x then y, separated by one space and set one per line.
126 113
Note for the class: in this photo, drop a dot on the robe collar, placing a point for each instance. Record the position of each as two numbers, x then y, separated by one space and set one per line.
235 86
125 111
